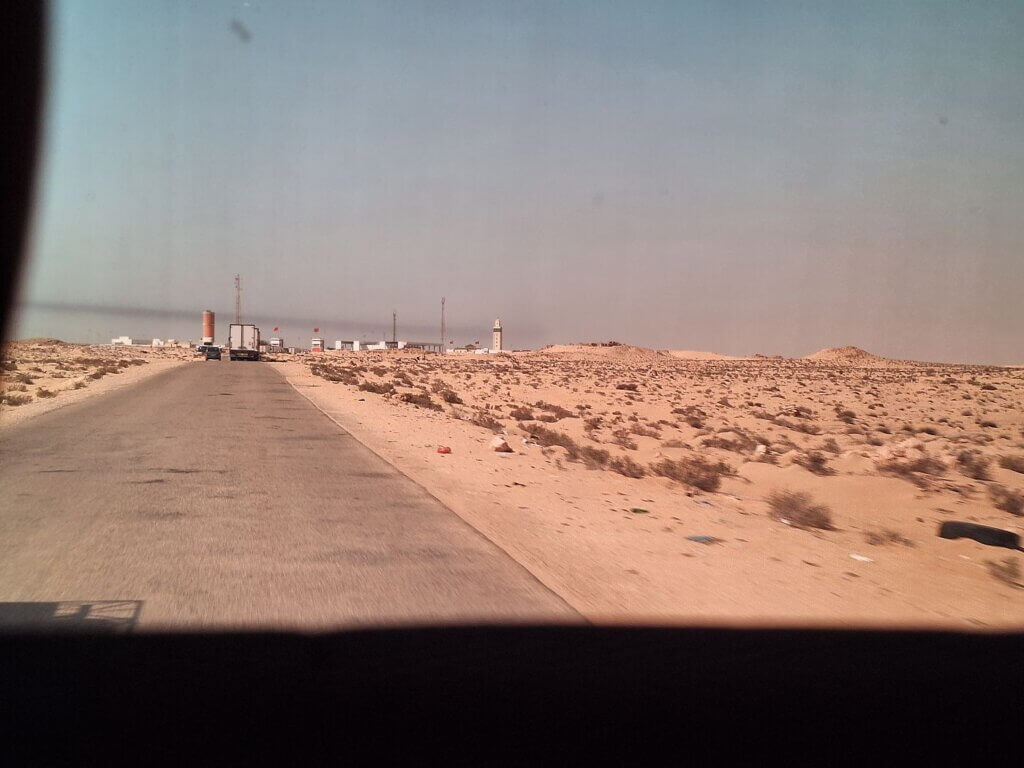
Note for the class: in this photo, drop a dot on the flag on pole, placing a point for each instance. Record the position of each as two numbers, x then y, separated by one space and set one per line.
316 330
276 328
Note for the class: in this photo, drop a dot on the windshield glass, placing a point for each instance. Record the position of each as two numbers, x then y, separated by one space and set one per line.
582 311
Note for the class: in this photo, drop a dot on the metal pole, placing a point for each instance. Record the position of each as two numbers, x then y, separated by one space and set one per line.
238 299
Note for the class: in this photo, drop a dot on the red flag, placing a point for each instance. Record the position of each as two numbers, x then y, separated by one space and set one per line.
478 342
316 330
275 328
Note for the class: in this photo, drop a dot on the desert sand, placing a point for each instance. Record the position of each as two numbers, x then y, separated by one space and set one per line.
40 375
666 486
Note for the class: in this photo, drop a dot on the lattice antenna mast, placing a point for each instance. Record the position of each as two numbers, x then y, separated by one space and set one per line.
238 299
443 330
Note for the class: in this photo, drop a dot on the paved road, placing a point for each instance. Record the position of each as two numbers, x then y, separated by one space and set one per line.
215 495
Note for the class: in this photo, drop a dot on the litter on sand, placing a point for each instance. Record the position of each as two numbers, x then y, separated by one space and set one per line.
701 539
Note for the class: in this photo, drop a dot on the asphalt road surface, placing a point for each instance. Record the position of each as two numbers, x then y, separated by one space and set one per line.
214 495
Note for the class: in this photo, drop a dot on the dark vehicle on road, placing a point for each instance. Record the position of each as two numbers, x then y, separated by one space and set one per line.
213 353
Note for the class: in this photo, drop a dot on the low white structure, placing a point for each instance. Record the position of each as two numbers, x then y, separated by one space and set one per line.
276 344
125 340
316 345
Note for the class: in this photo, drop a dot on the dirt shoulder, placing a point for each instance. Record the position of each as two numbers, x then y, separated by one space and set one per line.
41 377
655 548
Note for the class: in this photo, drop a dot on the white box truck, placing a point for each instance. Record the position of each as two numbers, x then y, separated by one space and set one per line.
243 342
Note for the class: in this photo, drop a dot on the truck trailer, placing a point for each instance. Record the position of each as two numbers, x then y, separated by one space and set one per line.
243 342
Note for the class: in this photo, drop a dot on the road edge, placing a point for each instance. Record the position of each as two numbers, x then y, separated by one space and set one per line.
574 608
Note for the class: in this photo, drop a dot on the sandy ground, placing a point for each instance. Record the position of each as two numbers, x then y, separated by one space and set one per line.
620 454
44 374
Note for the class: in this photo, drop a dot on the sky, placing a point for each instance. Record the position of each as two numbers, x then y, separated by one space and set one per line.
741 177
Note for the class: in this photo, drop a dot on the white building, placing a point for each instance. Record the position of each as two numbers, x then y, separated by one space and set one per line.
496 336
317 345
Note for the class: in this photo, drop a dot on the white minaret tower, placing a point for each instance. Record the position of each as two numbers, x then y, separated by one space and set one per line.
496 336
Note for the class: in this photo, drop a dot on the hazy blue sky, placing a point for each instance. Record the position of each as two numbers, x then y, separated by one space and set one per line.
766 177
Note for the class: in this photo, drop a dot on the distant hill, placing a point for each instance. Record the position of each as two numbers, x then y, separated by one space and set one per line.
850 356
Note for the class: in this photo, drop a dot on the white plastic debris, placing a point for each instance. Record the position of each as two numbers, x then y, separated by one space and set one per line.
861 558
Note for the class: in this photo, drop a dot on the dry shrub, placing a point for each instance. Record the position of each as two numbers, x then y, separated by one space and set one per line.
15 399
555 410
485 420
814 461
846 416
343 375
1007 500
421 400
449 396
739 444
382 388
521 414
626 466
24 378
973 464
799 510
695 472
643 431
797 426
690 410
628 387
42 392
78 385
1007 571
674 443
592 457
926 465
621 438
831 446
1014 463
887 536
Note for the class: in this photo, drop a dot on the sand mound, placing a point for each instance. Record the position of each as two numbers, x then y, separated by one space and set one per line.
848 356
40 341
617 352
692 354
